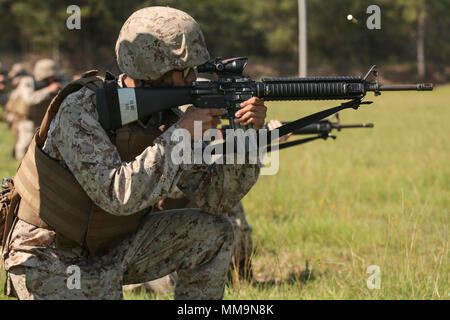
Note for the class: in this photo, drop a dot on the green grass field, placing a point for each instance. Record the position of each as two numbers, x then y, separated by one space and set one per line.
376 196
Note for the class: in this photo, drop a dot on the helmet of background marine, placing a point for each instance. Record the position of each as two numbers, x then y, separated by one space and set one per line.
17 69
45 68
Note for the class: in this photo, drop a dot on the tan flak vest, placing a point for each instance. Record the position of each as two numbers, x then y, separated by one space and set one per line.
52 198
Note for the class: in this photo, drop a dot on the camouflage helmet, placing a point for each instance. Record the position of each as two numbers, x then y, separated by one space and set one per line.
155 40
17 69
45 68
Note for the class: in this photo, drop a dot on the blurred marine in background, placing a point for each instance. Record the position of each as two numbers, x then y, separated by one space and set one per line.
28 102
10 80
16 73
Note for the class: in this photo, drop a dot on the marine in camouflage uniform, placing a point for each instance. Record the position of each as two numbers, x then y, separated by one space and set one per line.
27 104
195 243
17 71
9 82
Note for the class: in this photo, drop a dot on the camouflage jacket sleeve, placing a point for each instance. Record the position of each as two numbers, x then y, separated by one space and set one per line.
77 139
218 188
31 96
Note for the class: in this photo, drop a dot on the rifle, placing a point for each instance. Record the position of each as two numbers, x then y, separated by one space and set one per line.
7 80
321 129
46 82
119 106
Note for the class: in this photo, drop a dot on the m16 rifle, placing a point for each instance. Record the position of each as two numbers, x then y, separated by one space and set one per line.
321 130
46 82
119 106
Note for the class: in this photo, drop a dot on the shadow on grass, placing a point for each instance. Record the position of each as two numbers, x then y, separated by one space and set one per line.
293 278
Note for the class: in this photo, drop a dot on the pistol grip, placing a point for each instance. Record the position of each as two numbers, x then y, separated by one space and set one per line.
231 118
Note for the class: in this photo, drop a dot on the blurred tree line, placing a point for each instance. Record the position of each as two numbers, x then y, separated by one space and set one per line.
265 30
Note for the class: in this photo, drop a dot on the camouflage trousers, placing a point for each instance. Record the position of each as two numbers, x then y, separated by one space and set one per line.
240 266
23 131
196 245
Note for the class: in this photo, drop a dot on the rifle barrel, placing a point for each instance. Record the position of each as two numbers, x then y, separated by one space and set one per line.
405 87
359 125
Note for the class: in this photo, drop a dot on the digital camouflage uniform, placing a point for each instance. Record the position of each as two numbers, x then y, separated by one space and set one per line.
240 267
195 243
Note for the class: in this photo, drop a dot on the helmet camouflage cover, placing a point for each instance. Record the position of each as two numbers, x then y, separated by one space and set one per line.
17 69
155 40
45 68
